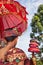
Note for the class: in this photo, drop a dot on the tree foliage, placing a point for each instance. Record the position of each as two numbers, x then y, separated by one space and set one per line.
37 24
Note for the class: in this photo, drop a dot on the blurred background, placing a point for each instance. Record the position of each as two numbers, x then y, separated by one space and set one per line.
24 39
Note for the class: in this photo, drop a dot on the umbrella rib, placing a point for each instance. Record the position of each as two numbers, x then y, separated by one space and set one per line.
7 22
11 19
19 24
13 22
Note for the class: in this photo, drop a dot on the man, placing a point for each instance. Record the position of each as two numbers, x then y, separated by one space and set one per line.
8 53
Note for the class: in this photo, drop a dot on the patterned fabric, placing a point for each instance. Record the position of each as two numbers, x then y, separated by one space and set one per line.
14 56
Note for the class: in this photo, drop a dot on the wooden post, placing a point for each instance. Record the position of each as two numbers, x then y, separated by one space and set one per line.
33 59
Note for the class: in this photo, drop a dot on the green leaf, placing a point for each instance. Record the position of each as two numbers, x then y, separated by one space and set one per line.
40 8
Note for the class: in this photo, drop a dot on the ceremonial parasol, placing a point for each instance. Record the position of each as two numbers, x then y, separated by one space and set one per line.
12 16
34 49
34 46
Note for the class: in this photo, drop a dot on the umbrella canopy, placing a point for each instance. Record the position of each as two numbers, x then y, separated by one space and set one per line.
34 50
34 46
12 15
9 21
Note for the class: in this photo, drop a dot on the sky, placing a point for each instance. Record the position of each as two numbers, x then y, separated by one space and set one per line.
24 39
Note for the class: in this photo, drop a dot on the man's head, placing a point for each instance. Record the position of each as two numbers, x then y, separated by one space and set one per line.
10 35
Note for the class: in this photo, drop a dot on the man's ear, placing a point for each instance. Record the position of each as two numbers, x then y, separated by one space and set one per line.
21 63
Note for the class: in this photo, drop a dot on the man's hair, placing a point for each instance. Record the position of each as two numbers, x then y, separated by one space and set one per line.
10 38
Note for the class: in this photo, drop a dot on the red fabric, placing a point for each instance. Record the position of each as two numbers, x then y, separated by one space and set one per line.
22 26
17 50
23 16
14 7
13 63
1 27
33 46
18 20
9 21
15 2
34 50
22 13
33 43
4 0
1 24
0 5
1 63
10 8
27 62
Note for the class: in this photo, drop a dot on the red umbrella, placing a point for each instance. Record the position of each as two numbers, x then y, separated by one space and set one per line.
12 15
34 46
